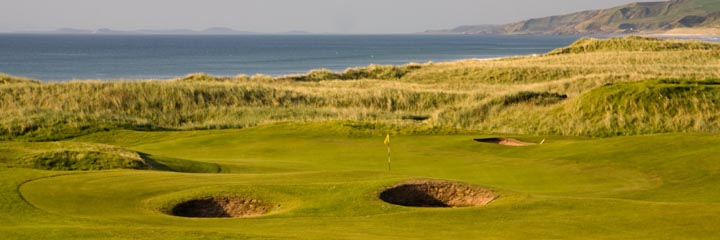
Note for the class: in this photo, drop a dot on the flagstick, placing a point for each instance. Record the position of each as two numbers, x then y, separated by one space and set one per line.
388 145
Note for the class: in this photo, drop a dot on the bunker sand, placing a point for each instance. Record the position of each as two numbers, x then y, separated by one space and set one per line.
437 193
505 142
221 207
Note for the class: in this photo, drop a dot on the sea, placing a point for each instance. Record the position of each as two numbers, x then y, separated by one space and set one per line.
110 57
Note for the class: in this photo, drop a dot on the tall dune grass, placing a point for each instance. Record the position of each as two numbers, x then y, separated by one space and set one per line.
596 88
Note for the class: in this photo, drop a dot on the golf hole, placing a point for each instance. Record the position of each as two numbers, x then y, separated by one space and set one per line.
504 141
435 193
221 207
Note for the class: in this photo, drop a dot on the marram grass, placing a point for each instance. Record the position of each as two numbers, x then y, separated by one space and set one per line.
499 95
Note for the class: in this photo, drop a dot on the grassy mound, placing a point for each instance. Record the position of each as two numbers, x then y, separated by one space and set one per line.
7 79
633 44
645 107
379 72
69 156
202 77
81 160
648 107
80 154
208 78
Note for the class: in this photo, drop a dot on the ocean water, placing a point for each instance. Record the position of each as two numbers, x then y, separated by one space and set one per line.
67 57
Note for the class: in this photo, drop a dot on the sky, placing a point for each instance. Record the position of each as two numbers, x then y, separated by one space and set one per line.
272 16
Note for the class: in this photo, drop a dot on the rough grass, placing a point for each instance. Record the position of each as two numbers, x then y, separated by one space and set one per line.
529 95
633 43
380 72
7 79
60 110
648 107
614 109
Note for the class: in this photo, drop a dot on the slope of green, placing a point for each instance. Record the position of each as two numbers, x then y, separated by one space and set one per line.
325 186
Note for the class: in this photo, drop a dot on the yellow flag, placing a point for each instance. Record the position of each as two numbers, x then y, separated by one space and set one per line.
387 139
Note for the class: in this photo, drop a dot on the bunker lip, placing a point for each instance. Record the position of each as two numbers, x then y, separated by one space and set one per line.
437 193
505 141
221 207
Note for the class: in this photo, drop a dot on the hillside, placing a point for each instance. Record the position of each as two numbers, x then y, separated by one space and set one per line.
643 17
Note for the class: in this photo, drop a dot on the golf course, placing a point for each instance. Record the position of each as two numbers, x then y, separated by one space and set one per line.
604 139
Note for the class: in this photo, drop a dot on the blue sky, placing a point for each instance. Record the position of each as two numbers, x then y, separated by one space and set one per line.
319 16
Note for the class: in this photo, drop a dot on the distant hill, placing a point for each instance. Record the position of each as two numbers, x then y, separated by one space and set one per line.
645 17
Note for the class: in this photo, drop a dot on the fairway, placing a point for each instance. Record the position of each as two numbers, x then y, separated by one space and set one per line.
325 184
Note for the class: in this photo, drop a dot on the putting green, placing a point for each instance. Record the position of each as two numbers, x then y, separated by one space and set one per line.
325 184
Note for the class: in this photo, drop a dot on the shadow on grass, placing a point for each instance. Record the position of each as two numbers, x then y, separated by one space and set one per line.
161 163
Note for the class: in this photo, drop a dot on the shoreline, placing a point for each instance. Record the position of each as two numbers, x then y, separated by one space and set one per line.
279 76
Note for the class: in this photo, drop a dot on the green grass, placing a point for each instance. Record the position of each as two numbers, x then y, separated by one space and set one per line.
326 185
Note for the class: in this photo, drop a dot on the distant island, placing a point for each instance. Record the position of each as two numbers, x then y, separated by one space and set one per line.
701 17
208 31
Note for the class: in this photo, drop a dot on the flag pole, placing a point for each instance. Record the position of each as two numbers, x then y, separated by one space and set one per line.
388 145
387 142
